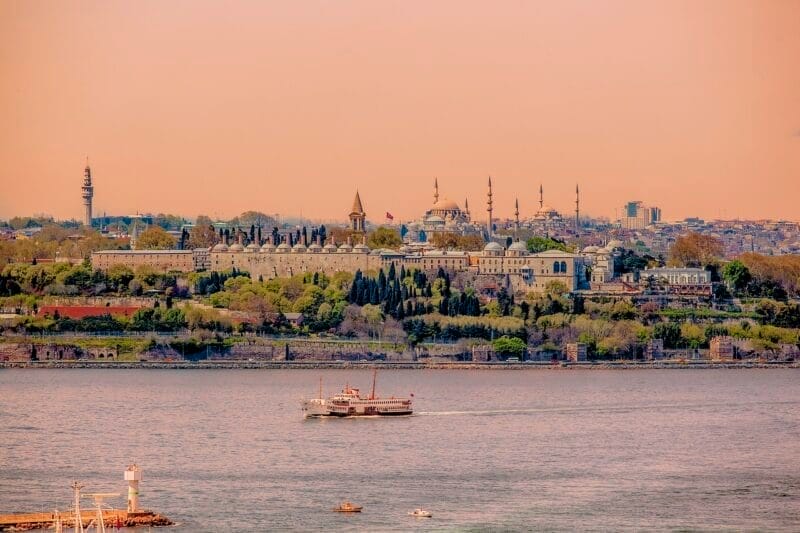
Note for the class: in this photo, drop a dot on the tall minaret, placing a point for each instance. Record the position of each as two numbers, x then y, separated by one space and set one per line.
541 197
435 190
516 213
489 206
466 207
87 194
577 209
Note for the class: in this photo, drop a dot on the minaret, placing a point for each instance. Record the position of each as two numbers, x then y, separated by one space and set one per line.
466 208
577 209
516 213
541 197
87 193
489 206
435 190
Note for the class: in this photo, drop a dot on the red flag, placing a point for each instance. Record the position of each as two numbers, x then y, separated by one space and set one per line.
389 216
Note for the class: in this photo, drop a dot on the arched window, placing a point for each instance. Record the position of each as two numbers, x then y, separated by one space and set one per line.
556 267
563 267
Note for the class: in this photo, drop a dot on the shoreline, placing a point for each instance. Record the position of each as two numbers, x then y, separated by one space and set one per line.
350 365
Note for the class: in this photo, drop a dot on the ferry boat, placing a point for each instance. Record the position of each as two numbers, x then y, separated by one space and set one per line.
349 403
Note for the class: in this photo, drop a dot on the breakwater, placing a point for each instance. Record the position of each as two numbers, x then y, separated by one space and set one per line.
416 365
111 517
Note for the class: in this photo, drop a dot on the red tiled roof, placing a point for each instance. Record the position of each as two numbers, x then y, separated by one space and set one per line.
82 311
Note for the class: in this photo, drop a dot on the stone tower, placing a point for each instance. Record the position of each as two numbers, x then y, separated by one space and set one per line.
358 219
87 192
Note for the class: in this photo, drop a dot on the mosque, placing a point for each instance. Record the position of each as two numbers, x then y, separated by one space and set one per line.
444 216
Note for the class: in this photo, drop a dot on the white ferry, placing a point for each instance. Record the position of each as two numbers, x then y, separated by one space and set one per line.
349 402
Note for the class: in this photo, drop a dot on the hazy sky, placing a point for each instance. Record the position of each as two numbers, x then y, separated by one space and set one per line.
194 107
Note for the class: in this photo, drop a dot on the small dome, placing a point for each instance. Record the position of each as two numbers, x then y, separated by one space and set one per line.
518 246
252 247
361 248
614 243
315 248
299 248
268 247
221 247
236 248
492 247
330 247
345 248
590 250
284 248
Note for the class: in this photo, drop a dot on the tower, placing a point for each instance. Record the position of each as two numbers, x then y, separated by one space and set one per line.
358 219
577 209
466 208
133 475
87 192
541 197
489 207
516 213
435 190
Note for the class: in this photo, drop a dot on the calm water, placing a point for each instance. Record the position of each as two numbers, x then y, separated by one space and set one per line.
488 450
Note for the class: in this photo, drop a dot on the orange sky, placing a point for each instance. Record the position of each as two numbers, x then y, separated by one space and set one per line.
196 107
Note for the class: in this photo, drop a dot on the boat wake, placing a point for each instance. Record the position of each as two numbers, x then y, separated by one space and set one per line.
597 409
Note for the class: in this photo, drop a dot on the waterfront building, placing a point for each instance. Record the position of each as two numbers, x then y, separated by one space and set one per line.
576 351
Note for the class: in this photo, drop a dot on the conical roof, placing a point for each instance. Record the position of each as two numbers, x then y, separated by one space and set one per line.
357 207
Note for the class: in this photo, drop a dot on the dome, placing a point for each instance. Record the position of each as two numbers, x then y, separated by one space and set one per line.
445 205
268 247
345 248
315 248
434 219
283 248
518 246
252 247
299 248
603 251
614 243
330 247
492 247
361 248
590 250
221 247
236 248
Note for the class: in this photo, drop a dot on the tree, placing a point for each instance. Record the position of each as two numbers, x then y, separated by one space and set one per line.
736 275
384 238
203 234
506 347
155 238
541 244
695 250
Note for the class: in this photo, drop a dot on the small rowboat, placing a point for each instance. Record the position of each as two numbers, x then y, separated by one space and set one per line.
348 507
421 513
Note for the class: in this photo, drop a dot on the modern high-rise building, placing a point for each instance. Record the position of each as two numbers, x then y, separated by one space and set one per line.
87 192
636 215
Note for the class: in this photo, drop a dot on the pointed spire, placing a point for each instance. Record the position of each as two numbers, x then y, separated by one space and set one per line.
541 197
357 207
577 209
489 207
435 190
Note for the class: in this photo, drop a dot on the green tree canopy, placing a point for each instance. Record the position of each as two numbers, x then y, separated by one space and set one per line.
155 238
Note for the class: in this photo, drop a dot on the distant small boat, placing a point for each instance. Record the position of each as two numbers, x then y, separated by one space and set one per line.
348 507
421 513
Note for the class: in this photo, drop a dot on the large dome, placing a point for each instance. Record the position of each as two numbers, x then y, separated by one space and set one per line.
445 205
